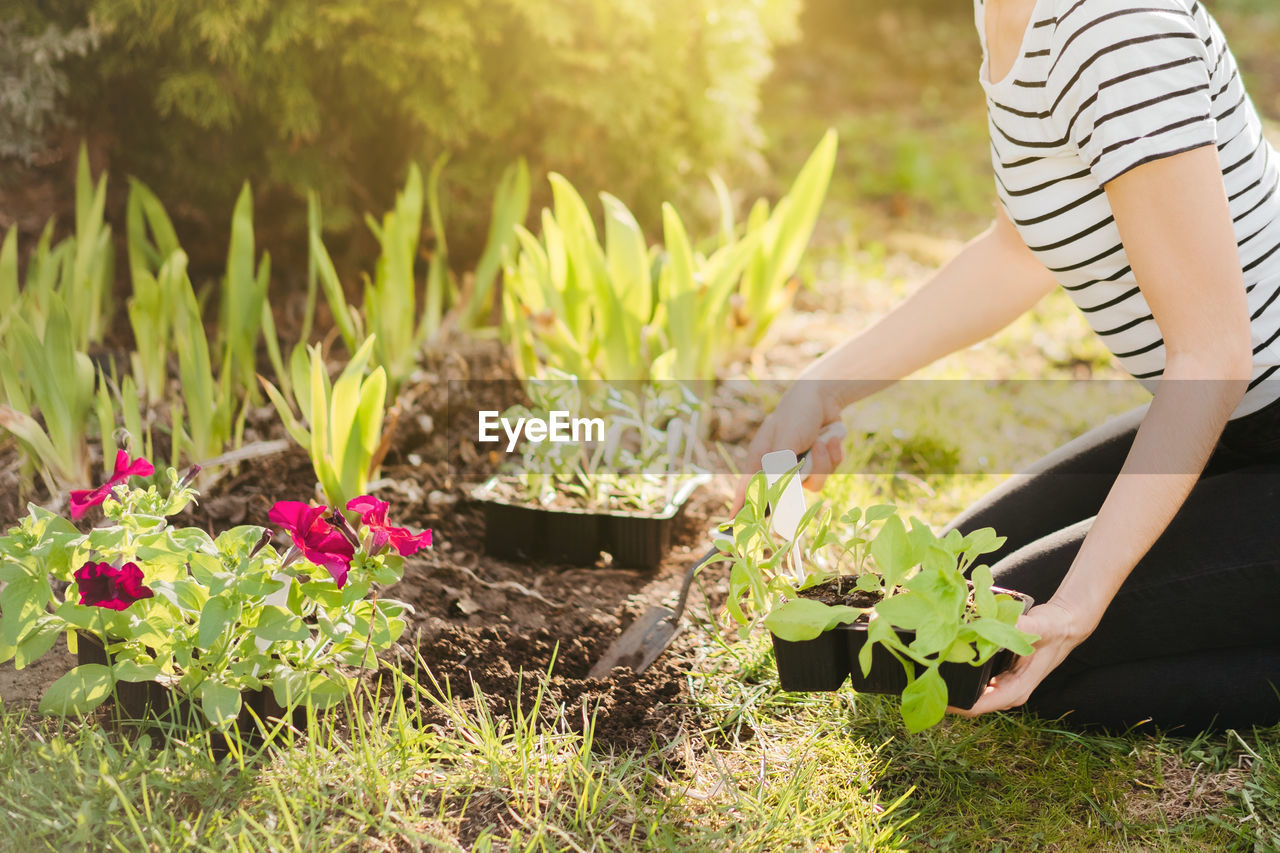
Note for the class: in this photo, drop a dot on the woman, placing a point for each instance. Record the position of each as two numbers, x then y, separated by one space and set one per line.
1132 171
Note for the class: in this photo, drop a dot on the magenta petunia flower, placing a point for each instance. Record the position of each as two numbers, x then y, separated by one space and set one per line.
373 514
314 537
104 585
82 499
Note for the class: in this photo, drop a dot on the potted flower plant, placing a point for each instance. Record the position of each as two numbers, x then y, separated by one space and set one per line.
901 611
619 491
169 619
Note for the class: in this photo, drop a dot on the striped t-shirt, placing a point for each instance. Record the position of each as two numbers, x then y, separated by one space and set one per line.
1100 87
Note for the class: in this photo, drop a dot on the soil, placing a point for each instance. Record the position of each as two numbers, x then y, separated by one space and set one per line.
24 687
841 591
503 669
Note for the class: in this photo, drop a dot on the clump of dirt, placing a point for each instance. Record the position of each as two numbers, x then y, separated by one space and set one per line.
509 672
841 591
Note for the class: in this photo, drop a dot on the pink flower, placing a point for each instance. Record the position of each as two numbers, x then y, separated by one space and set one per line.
103 585
313 536
82 499
373 513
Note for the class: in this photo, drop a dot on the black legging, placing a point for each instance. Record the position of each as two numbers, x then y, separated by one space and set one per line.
1192 639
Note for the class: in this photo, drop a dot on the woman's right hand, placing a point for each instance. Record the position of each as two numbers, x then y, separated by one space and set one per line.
796 424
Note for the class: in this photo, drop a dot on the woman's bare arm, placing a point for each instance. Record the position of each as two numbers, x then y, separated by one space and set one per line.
988 285
1176 226
992 281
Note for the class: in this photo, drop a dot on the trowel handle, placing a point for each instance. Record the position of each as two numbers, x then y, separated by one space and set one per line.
688 582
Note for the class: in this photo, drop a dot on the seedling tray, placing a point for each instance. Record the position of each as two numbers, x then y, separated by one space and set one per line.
825 662
576 537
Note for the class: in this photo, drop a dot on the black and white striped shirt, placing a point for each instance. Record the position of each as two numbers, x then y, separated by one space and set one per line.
1100 87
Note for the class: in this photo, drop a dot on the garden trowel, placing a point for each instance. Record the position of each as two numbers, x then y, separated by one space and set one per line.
640 645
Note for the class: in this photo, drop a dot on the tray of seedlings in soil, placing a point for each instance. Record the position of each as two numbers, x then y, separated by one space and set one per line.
617 487
866 598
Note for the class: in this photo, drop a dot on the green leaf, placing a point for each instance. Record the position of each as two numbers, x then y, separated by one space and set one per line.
933 636
78 692
258 584
980 542
906 611
194 539
132 671
21 603
214 619
924 701
865 655
983 598
869 582
292 688
1004 635
1008 609
220 703
327 692
38 642
187 595
893 551
960 652
279 625
343 313
322 592
880 511
804 619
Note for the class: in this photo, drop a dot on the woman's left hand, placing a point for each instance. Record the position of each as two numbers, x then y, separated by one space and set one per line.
1059 631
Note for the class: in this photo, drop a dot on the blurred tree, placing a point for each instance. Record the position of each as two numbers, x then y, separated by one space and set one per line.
636 96
32 82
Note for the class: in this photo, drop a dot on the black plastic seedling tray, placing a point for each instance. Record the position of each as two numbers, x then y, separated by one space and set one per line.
576 537
825 662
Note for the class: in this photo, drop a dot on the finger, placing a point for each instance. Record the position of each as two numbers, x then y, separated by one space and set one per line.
996 698
1012 691
821 460
992 686
835 449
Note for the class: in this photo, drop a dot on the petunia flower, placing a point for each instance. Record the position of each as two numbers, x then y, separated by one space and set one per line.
313 536
373 514
82 499
104 585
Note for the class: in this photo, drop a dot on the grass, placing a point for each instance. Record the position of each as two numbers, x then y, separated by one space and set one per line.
755 768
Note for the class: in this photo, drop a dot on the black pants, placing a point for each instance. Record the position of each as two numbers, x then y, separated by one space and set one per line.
1192 639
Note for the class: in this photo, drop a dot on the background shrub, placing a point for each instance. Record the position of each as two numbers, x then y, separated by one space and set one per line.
635 96
32 82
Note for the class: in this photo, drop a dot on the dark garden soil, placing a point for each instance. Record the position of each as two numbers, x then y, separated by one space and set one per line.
476 618
841 591
503 669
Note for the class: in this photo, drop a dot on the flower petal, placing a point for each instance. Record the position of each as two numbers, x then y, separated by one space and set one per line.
407 544
373 512
121 465
104 585
80 500
295 517
137 468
